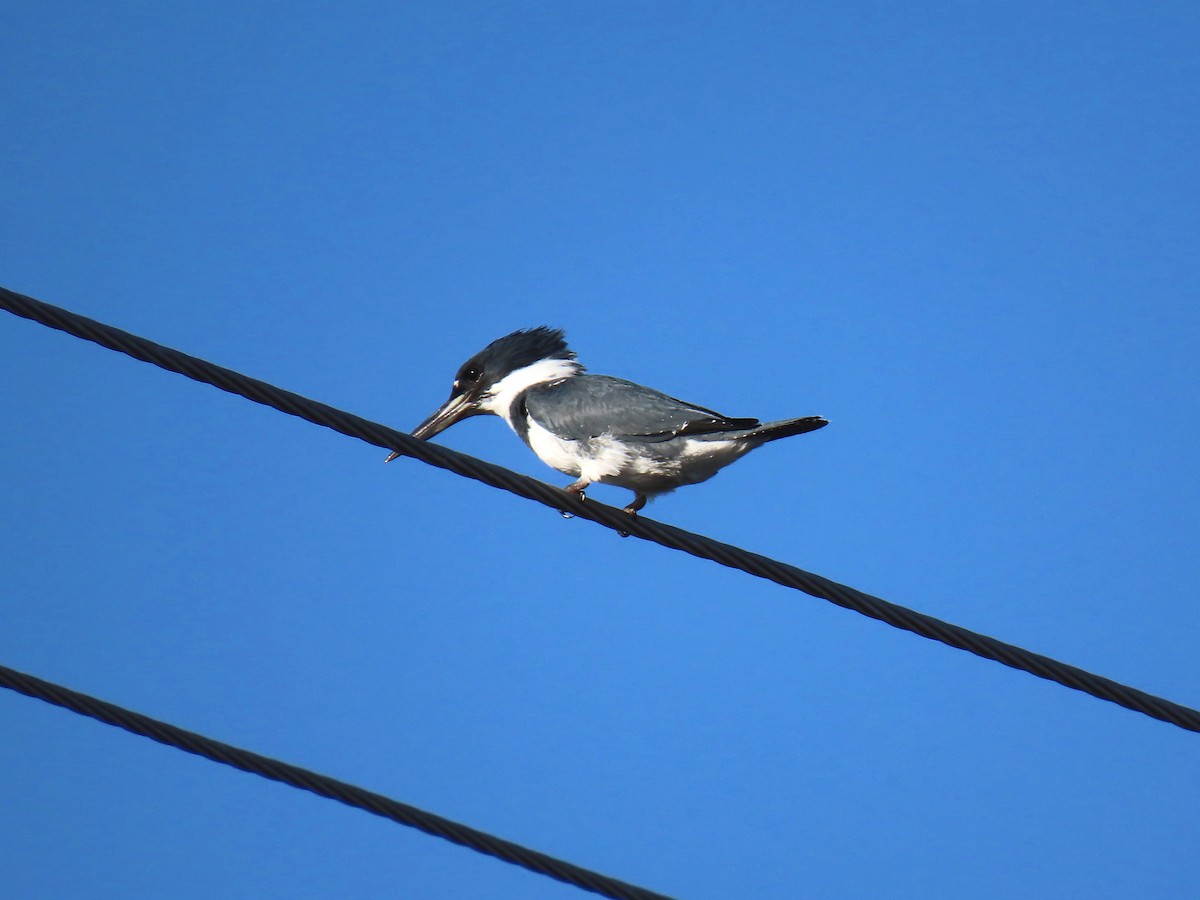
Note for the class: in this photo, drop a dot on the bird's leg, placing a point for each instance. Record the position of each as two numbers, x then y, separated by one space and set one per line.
639 500
578 488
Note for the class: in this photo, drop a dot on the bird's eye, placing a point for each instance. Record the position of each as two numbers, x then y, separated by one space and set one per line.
472 374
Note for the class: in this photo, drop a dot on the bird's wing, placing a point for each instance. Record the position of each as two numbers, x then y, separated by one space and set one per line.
588 406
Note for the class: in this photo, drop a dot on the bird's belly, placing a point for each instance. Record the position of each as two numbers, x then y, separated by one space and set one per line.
702 459
648 467
593 459
658 467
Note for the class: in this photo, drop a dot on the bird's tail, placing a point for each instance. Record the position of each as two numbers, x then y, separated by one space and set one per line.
773 431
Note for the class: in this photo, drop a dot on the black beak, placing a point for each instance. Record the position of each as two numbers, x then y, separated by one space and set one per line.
457 408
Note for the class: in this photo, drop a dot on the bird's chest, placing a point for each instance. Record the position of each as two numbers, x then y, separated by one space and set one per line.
595 459
566 456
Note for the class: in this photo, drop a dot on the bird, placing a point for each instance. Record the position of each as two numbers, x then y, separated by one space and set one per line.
596 428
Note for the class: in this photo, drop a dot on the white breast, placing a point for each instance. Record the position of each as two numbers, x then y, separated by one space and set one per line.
596 459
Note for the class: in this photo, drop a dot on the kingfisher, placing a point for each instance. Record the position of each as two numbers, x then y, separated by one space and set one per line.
596 428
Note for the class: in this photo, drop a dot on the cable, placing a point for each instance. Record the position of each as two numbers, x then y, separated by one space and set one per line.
321 785
555 498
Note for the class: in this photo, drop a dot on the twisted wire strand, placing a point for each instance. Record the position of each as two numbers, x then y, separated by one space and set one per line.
647 529
322 786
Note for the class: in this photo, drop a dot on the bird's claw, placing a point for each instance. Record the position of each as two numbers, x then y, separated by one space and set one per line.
639 501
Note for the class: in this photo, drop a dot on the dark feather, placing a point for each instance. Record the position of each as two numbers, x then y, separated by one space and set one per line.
588 406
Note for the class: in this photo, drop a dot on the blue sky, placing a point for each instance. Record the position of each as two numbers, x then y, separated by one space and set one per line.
966 234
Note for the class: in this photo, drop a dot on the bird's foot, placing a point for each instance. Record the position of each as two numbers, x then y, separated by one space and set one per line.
639 501
577 488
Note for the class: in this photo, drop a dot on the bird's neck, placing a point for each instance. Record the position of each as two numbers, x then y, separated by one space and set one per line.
504 393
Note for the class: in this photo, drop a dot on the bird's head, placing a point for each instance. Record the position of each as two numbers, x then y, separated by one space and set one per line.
487 383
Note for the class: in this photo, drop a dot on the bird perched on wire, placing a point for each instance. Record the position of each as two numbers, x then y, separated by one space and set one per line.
595 428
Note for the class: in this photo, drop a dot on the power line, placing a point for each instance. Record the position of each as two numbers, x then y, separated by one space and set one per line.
555 498
321 785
